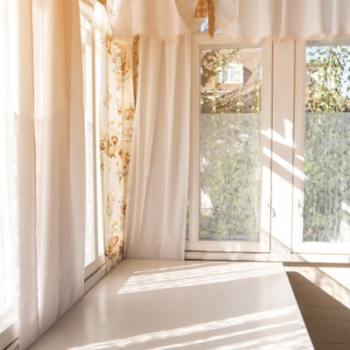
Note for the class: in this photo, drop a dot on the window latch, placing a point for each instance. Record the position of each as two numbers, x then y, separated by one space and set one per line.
269 209
300 209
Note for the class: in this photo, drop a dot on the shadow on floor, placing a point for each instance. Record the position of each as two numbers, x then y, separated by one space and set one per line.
327 319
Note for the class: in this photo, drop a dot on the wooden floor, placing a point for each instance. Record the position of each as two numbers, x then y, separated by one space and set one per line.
323 296
147 304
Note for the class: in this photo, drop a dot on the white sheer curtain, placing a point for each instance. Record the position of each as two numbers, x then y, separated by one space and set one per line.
17 186
8 110
60 158
42 97
158 179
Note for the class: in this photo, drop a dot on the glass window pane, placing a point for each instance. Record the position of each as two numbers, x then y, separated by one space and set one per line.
230 144
326 208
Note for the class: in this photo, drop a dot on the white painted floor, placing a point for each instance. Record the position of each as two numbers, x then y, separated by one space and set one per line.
152 304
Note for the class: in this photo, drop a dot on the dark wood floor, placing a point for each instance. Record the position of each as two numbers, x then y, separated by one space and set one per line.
327 317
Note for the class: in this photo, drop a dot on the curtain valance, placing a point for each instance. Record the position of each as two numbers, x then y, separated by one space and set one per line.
244 20
155 18
254 20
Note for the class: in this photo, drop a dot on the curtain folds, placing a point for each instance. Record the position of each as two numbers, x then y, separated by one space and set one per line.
255 20
44 108
118 80
158 179
156 18
13 65
244 20
60 157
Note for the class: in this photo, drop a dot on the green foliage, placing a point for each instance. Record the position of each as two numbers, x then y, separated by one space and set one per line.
327 172
256 107
229 152
328 70
327 137
230 176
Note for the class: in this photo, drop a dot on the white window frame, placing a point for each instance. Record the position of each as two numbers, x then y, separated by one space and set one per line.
8 330
298 245
287 109
87 11
203 41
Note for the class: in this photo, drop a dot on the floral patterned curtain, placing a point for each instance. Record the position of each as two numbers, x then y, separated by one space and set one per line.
118 84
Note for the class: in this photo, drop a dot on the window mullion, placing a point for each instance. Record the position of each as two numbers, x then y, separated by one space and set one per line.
94 138
299 142
283 146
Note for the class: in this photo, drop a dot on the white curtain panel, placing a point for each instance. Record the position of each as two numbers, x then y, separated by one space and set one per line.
44 116
10 89
24 181
17 157
60 158
158 178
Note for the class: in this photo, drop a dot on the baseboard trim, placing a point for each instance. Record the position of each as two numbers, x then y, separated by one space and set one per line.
94 278
9 336
13 346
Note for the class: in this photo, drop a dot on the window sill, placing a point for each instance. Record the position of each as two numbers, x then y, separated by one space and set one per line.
285 258
94 266
8 330
94 278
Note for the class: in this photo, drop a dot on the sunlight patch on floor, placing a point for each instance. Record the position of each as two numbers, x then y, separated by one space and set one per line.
198 276
276 314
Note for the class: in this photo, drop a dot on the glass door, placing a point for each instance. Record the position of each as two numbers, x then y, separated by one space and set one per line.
322 158
230 167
